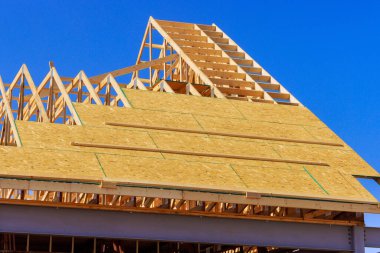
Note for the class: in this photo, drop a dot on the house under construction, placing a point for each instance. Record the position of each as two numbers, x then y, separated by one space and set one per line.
199 149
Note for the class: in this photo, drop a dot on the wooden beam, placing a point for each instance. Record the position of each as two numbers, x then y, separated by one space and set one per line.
200 194
130 69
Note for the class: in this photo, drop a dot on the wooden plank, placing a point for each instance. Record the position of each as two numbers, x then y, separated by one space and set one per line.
188 193
225 74
186 37
216 66
223 134
130 69
232 83
202 51
178 152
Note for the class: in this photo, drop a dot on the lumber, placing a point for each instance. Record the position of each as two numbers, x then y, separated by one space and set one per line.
100 145
201 128
222 134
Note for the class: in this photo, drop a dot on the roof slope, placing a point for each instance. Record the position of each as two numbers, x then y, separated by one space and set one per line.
256 152
233 147
220 63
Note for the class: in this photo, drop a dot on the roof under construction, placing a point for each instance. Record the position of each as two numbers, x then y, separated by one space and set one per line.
200 128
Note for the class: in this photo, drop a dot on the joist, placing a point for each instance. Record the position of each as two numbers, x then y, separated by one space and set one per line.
214 34
232 83
202 51
216 66
194 44
241 92
188 37
225 74
208 58
176 30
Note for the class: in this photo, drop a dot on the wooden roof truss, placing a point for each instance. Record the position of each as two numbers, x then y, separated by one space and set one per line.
207 57
197 60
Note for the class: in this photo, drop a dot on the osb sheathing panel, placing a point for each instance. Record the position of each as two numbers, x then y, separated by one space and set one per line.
227 160
181 103
49 164
312 127
260 128
54 136
278 180
206 144
295 115
351 163
163 171
97 115
221 173
239 146
298 123
44 135
337 184
323 134
293 180
346 160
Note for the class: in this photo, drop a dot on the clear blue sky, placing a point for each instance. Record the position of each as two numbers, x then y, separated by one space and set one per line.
327 53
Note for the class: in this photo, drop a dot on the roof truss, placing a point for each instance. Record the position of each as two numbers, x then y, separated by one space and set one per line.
174 57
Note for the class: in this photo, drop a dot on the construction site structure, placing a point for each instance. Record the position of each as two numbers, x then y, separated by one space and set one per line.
195 148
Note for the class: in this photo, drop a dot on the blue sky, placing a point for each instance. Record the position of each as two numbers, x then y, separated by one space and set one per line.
325 52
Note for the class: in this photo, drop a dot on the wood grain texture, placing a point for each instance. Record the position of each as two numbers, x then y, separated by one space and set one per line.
173 111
